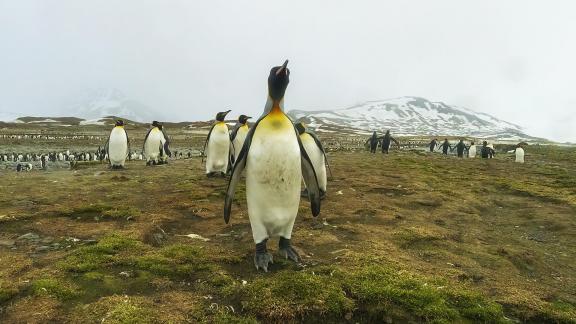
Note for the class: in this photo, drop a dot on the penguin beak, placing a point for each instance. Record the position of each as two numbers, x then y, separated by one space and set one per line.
248 117
282 68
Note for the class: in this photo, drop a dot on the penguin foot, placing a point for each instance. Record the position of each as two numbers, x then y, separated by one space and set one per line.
287 251
261 261
316 224
262 258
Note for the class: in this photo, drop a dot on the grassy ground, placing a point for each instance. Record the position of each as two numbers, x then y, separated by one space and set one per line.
407 237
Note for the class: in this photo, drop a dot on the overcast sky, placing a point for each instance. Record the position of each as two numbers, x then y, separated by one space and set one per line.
189 59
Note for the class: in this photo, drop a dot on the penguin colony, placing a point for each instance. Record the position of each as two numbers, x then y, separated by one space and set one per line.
275 155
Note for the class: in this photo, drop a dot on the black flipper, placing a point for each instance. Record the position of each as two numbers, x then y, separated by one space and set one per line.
127 143
310 178
317 140
107 147
206 143
235 131
166 143
239 166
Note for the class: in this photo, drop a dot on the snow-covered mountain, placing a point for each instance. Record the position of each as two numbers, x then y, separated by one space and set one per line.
411 116
99 103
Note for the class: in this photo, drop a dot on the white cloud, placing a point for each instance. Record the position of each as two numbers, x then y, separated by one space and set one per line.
513 59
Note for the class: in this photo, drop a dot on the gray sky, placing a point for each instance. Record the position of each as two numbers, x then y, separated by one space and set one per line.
189 59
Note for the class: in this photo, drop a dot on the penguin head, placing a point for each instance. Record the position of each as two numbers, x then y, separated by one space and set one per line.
243 119
119 122
471 143
388 132
484 143
278 81
301 128
156 124
221 115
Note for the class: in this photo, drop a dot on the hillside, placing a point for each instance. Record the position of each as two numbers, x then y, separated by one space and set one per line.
411 116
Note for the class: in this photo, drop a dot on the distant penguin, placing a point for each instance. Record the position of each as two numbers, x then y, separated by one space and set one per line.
117 146
460 147
217 146
317 155
154 144
373 142
433 144
486 152
519 154
387 141
472 150
237 137
445 146
275 162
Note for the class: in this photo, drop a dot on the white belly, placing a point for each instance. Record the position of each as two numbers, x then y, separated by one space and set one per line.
273 175
317 158
118 146
472 151
153 144
218 149
520 155
239 141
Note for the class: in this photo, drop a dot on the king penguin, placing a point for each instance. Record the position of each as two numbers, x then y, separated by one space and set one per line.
117 146
237 137
154 144
275 162
317 154
217 146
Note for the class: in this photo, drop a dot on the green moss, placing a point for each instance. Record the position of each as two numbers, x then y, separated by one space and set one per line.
380 290
291 294
116 309
228 318
415 237
177 260
560 311
121 213
7 292
100 255
55 288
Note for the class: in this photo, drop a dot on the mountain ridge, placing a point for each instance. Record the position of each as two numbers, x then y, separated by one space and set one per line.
411 116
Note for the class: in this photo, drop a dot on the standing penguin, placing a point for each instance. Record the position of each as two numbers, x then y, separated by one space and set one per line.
317 155
237 137
386 141
472 150
519 153
217 146
445 146
433 144
460 147
118 146
275 162
373 142
155 145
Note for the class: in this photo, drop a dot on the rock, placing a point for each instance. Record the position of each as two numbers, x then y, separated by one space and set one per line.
7 243
42 248
47 239
126 274
29 236
196 236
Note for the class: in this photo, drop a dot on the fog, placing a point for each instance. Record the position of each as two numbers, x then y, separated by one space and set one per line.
190 59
